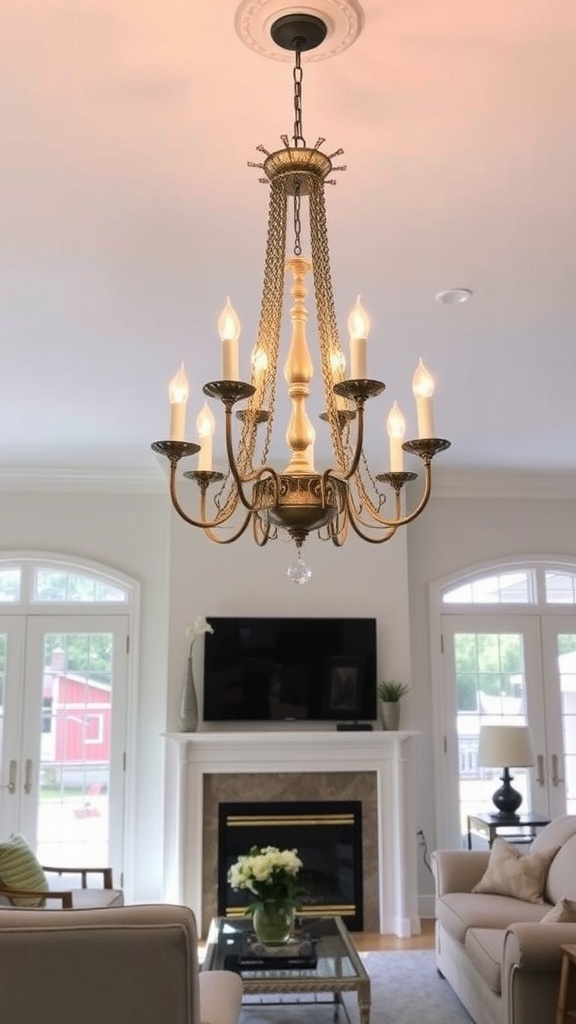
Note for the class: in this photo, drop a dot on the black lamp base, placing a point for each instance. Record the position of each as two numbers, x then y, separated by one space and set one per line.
507 800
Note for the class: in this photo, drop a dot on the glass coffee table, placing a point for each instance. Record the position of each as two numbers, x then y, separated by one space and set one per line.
338 967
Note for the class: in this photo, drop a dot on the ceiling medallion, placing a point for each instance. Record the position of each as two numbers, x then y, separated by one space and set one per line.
344 21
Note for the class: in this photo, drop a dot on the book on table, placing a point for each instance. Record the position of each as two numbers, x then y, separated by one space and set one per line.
297 954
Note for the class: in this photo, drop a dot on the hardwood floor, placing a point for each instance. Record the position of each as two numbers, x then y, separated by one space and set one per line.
372 941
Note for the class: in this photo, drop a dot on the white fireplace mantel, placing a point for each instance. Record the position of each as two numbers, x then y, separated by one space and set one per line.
191 756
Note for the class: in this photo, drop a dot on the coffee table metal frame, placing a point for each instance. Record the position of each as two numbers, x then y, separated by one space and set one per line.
339 968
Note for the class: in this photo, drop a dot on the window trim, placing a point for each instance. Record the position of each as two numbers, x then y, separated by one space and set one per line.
130 609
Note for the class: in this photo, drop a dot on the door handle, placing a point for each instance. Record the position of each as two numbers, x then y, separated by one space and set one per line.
540 768
11 784
556 780
28 776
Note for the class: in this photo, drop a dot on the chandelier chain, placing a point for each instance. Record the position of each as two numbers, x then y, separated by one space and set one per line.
326 312
268 340
297 219
270 325
298 77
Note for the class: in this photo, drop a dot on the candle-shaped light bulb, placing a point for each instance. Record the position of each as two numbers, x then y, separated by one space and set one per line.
205 425
229 331
396 426
423 390
358 326
338 366
178 396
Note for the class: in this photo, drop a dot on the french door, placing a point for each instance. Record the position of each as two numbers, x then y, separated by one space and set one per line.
62 727
509 669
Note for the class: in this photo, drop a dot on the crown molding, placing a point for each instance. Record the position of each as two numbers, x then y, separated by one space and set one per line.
82 480
503 484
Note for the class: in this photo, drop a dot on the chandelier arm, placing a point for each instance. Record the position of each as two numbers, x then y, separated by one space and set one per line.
183 515
338 530
261 533
228 540
411 516
390 530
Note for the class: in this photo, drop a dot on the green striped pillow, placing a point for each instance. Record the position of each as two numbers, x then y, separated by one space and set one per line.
20 869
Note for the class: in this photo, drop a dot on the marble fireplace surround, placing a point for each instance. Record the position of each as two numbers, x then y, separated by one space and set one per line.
205 768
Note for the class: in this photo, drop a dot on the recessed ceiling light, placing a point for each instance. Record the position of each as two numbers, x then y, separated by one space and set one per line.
453 296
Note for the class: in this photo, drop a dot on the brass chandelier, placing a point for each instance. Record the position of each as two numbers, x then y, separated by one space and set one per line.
299 499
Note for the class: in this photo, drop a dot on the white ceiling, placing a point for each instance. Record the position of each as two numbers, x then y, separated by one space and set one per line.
129 213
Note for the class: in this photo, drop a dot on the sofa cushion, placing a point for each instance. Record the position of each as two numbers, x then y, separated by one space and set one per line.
561 881
87 899
459 911
563 913
20 869
485 948
555 834
510 873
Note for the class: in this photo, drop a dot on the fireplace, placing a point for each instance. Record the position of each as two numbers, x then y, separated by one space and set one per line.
328 838
205 769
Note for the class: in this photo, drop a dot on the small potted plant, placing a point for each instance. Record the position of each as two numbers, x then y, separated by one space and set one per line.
390 693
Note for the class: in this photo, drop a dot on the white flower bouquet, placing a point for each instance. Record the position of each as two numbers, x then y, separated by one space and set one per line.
270 874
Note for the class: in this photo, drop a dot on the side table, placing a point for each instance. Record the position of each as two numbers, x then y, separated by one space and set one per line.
520 828
563 1013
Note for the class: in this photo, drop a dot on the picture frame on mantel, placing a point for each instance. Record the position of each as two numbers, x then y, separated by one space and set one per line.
343 687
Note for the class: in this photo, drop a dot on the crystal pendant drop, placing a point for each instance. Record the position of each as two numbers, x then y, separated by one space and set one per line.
299 572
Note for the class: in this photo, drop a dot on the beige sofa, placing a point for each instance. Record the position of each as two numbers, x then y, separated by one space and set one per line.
122 965
504 964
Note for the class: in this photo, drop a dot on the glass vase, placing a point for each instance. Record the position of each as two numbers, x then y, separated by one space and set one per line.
188 702
274 922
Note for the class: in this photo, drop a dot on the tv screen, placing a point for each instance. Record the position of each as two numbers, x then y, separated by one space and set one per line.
289 670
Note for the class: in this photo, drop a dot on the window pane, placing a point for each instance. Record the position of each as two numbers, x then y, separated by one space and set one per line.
560 588
9 584
75 757
490 679
506 588
55 585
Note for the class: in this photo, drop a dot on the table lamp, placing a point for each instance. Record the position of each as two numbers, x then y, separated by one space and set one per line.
505 746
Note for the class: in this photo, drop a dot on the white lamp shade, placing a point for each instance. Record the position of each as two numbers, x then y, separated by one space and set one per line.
505 746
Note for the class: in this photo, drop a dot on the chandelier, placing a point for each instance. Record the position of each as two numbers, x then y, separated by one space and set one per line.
299 499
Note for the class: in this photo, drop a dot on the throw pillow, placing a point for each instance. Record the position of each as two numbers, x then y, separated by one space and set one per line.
563 912
510 873
20 869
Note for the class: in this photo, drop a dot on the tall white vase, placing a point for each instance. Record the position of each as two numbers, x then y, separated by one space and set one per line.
188 702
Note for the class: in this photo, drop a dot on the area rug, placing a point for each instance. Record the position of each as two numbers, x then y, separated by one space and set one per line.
406 989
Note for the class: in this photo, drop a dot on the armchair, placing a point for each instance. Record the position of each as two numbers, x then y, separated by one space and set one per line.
24 882
135 964
68 897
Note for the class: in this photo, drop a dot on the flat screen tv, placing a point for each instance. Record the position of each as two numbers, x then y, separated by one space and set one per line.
287 669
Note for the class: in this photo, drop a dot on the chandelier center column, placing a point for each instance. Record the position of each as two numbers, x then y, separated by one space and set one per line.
298 372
